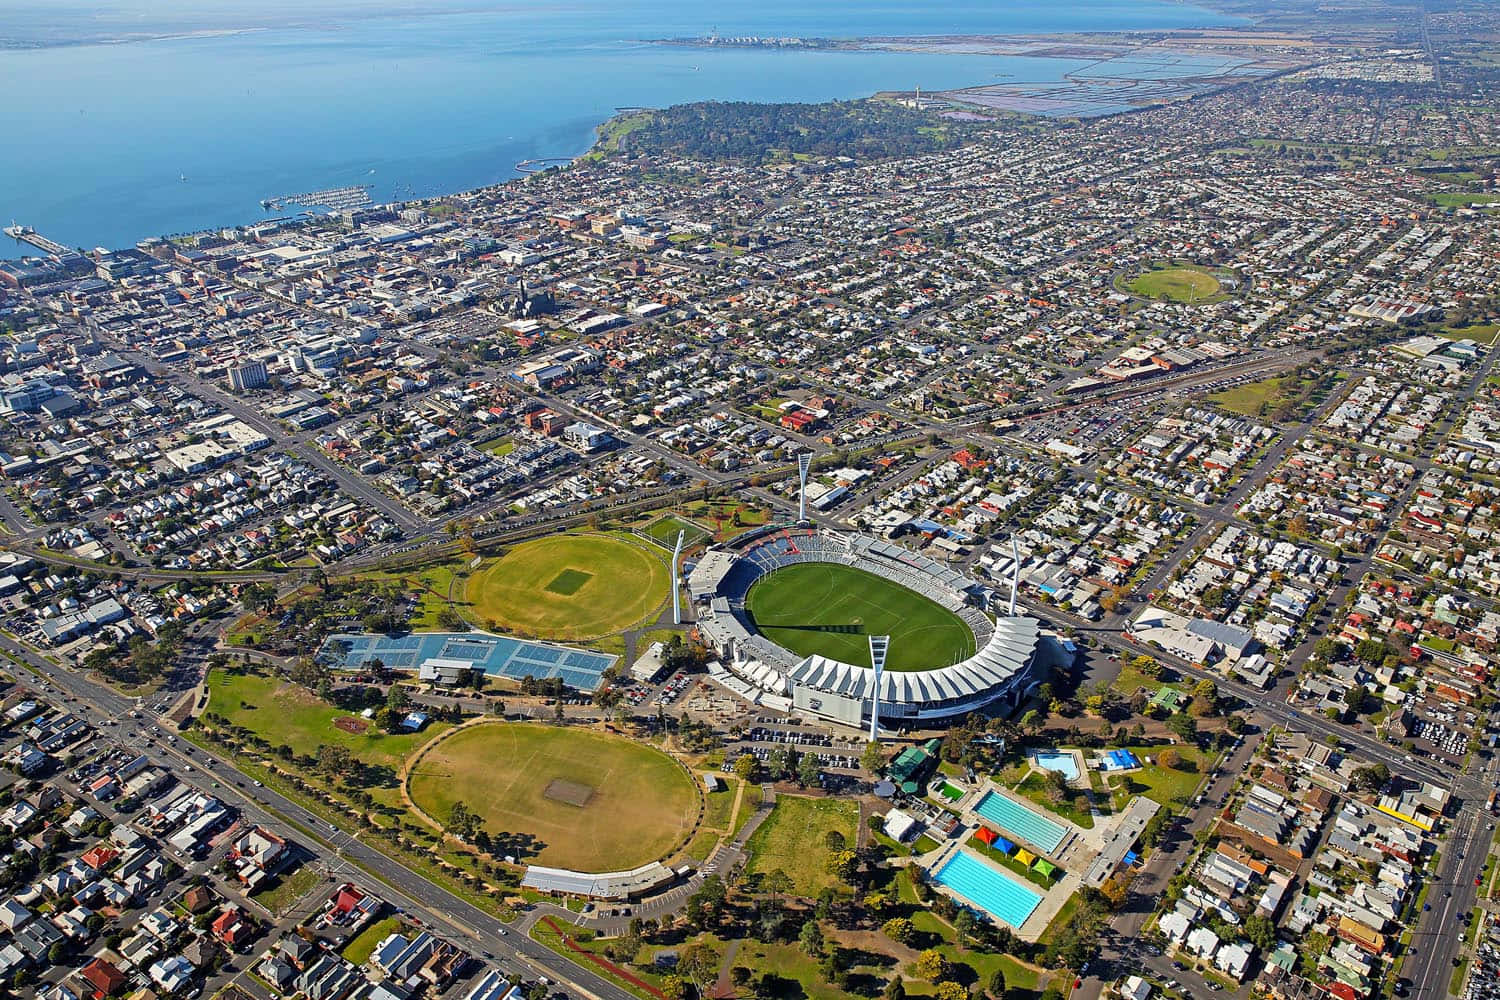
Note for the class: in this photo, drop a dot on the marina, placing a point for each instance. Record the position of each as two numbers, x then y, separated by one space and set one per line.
335 199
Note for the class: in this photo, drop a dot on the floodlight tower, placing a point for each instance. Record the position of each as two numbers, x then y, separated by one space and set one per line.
804 462
1015 574
676 585
879 646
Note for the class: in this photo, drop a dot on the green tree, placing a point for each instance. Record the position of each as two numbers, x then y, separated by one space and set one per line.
1372 778
811 938
873 758
932 966
844 866
1147 665
996 986
746 767
895 989
899 930
1183 726
700 963
807 770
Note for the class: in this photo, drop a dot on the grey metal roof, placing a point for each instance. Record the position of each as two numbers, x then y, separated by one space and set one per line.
1007 653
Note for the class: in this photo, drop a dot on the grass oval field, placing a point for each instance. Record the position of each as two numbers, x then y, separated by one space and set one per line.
568 587
593 802
831 610
1176 284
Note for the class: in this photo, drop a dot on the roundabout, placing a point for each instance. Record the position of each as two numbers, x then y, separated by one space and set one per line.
571 798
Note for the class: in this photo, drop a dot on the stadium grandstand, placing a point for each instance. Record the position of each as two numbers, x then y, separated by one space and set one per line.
1010 650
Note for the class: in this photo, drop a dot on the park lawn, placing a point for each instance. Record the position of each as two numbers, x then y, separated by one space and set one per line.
792 839
288 890
720 805
284 713
612 583
362 946
831 610
1166 785
1017 976
1130 680
1175 283
629 803
1034 787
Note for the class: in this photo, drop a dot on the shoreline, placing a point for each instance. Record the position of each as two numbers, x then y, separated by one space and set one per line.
1090 45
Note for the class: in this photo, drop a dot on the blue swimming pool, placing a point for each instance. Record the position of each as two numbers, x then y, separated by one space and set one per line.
1063 763
989 889
1029 825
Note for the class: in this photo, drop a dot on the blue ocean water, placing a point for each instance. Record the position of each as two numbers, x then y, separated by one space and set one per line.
108 144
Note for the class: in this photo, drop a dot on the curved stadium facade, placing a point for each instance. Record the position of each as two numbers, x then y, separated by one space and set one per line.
1004 667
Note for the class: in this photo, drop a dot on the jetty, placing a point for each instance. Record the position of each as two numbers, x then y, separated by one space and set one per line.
26 234
537 164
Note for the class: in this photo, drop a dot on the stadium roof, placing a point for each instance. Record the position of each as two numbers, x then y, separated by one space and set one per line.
1007 653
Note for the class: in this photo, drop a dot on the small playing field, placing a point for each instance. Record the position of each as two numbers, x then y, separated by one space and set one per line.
592 801
1176 284
794 839
831 610
664 531
568 587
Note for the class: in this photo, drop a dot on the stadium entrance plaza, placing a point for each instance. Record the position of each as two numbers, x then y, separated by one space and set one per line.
1075 854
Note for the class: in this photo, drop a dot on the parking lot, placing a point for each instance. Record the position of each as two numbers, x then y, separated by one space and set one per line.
1484 973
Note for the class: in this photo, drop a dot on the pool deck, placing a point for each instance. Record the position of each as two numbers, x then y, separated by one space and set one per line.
1075 855
1080 766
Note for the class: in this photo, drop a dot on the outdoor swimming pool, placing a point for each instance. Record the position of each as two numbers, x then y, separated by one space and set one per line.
997 894
1064 763
1015 818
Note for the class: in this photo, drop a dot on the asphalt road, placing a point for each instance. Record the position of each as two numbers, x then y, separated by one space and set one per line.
451 916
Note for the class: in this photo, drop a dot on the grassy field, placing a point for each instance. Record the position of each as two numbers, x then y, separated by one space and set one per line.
568 587
283 713
1177 284
1165 785
1247 399
821 608
636 802
288 890
665 532
1462 199
1484 333
791 839
362 946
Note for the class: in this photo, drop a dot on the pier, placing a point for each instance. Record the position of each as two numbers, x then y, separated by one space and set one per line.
26 234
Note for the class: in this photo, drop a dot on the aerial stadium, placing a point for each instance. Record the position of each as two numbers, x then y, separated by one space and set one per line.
791 610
